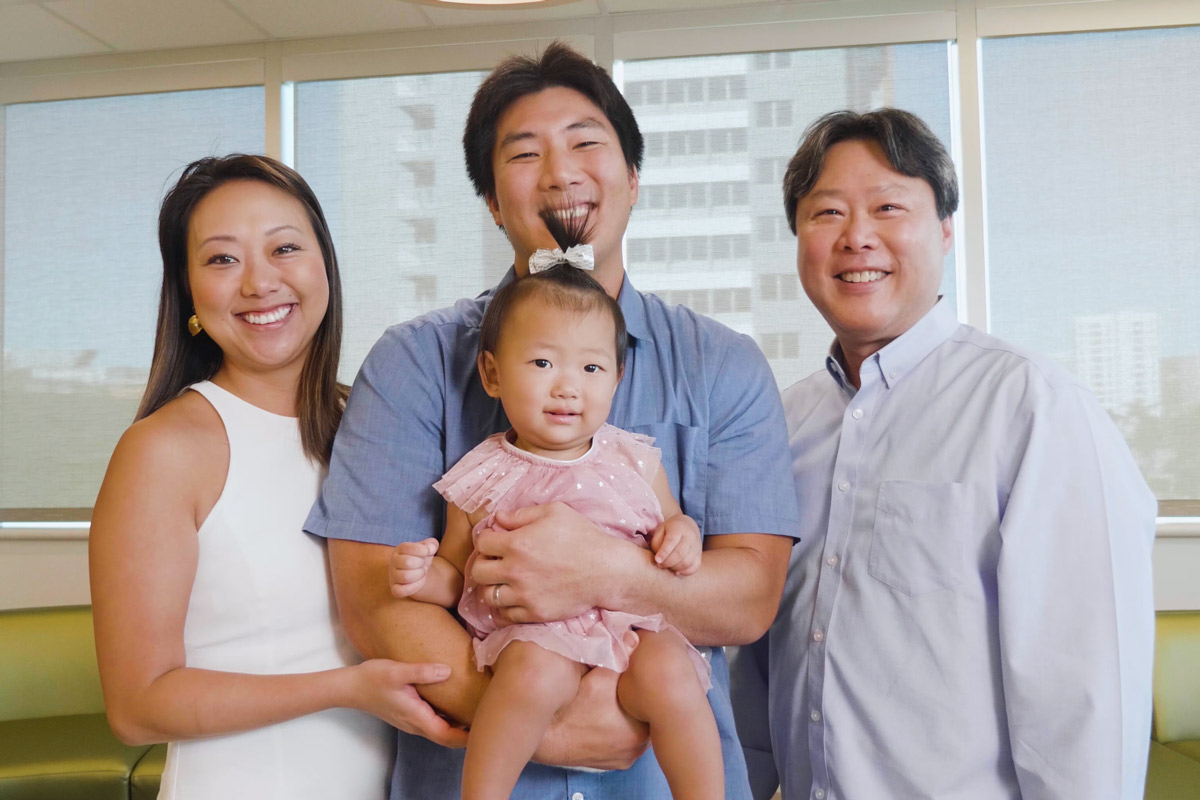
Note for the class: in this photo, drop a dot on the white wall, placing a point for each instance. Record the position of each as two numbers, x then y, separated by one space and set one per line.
43 572
53 572
1176 568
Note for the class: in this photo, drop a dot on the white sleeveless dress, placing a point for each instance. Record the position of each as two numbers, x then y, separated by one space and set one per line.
262 603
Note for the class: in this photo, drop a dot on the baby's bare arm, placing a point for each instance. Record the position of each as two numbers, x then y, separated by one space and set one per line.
677 543
433 572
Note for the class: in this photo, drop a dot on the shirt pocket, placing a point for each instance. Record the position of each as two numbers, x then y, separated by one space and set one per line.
917 544
685 459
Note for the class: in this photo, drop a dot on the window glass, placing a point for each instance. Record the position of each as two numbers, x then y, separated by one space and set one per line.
1095 264
82 181
755 108
384 156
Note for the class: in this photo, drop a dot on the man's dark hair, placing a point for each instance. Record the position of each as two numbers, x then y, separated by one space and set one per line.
518 76
909 146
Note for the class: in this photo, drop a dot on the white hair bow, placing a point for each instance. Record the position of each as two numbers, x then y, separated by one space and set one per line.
579 256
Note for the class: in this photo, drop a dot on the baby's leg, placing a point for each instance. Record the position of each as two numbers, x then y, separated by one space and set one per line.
529 685
661 688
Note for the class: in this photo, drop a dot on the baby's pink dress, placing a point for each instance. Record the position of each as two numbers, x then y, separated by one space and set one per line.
610 485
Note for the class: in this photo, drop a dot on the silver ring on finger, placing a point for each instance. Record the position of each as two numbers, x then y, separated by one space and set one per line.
496 595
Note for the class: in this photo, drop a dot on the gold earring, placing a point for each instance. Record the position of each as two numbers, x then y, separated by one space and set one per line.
194 325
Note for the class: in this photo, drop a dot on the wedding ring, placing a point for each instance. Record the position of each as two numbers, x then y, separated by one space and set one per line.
496 596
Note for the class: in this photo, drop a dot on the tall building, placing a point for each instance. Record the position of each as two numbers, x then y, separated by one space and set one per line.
709 230
1118 357
689 238
382 155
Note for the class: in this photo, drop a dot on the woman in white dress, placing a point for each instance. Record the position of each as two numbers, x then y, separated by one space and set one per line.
216 628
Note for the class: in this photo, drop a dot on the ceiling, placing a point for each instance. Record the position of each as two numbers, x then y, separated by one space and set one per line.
39 29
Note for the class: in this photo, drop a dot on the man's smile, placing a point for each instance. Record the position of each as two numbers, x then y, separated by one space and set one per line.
862 276
574 212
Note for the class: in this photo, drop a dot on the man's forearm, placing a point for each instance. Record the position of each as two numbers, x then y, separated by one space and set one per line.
382 626
555 564
731 600
593 732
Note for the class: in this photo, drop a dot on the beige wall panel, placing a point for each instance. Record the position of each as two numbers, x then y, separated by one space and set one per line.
36 572
293 19
468 15
1177 573
39 572
158 24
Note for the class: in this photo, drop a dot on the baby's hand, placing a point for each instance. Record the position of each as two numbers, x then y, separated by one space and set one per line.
676 545
408 566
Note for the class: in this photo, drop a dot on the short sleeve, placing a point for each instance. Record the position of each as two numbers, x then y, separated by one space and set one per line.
637 449
388 451
482 476
749 488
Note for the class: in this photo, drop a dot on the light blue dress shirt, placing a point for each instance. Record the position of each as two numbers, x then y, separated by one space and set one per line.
703 392
969 613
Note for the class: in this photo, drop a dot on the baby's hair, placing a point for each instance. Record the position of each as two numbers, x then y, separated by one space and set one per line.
561 285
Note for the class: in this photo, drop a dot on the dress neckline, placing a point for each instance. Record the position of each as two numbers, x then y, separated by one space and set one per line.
534 458
244 402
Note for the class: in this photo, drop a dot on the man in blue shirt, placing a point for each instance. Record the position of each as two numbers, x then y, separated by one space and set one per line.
555 131
970 613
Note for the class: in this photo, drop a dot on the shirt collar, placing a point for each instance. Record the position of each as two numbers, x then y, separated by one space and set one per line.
833 363
903 353
509 277
633 307
485 297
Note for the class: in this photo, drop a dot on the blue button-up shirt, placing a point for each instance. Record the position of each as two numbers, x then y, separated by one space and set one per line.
703 392
970 613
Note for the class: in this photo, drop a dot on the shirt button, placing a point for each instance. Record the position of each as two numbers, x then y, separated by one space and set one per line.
832 561
815 716
844 486
819 794
577 796
818 635
857 413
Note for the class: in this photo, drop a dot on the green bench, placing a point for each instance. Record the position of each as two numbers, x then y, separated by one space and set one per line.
1174 772
55 743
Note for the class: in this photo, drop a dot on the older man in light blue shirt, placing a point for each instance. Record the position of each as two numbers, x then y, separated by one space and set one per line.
969 613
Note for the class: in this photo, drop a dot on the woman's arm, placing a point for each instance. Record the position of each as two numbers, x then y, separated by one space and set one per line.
143 554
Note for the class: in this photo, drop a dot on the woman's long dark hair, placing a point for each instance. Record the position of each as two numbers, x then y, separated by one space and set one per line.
181 359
